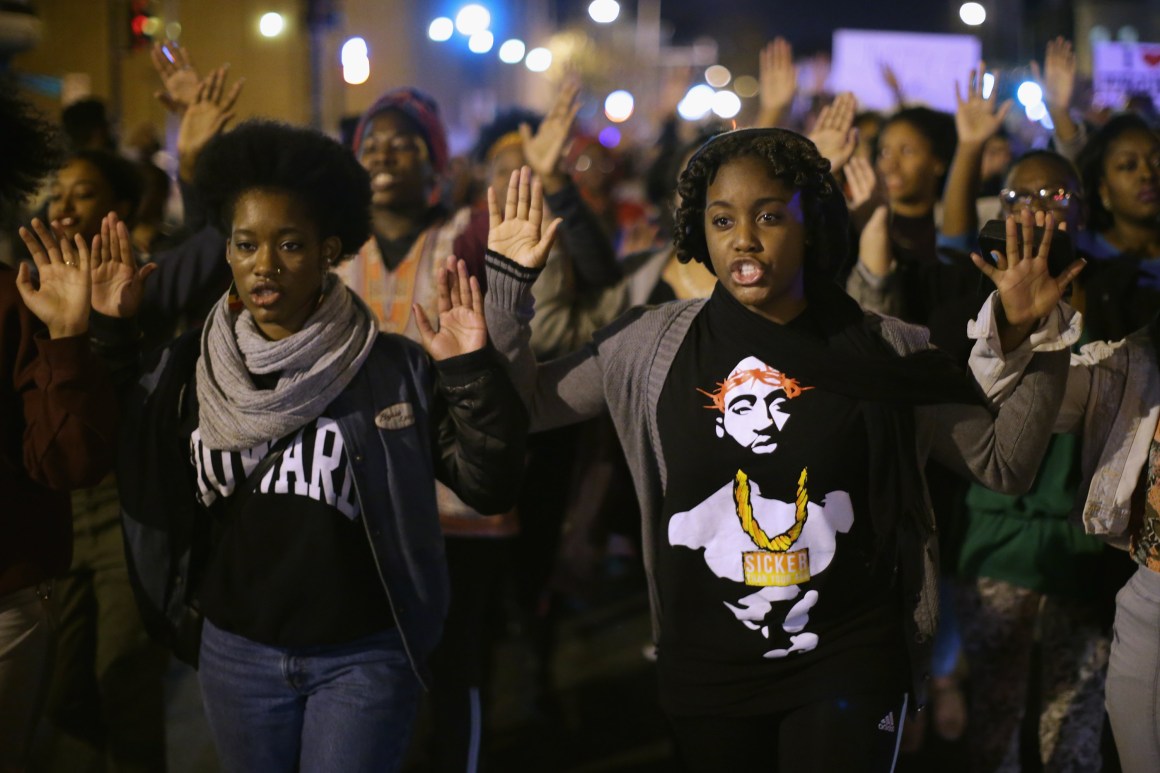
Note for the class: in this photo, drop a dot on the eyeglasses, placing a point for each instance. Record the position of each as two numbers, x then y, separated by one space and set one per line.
1044 198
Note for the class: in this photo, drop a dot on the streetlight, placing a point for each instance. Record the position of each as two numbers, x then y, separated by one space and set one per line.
271 25
481 42
1029 93
604 11
356 64
618 106
471 19
538 59
726 104
441 29
512 51
972 14
718 76
697 103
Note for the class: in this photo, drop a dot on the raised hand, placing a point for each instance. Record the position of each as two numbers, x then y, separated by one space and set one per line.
977 118
118 284
61 301
178 75
516 231
210 111
1027 291
777 77
874 250
866 194
462 328
1058 75
834 133
890 78
1058 82
543 150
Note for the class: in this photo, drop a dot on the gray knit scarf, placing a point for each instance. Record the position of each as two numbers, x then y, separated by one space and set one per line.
313 365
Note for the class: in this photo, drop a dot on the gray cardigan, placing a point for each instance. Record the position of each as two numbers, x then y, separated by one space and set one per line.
624 368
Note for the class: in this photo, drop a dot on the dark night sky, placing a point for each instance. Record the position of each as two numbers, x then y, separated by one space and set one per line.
741 27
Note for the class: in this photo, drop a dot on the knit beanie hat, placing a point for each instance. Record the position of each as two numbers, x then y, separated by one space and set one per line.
422 110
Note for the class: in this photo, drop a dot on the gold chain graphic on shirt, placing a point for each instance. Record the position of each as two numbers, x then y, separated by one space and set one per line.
782 542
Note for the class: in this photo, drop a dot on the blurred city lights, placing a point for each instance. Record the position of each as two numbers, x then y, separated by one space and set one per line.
1029 94
1128 34
1047 123
471 19
988 84
726 104
271 25
353 50
441 29
697 103
357 71
604 11
609 136
512 51
173 30
718 76
746 86
538 59
1037 111
481 42
1099 34
356 65
618 106
972 14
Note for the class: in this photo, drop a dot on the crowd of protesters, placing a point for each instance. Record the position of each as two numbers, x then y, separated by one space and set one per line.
872 400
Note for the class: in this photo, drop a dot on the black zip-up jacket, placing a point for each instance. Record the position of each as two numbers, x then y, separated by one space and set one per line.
405 420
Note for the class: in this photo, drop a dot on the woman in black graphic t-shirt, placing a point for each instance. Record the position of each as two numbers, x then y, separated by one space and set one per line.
777 434
278 471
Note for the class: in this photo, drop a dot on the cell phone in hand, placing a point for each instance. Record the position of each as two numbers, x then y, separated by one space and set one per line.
993 236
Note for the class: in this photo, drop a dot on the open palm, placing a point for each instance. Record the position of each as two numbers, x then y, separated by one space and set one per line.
516 231
118 283
462 328
1027 290
543 149
977 117
61 299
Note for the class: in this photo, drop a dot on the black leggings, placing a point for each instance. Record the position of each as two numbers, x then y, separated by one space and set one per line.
855 734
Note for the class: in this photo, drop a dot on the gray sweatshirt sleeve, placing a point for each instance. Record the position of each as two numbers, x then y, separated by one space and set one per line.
560 392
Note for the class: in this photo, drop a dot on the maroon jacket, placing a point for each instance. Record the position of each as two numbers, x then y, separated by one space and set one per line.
58 427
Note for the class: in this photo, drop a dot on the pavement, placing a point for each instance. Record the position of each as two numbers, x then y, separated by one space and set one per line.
600 716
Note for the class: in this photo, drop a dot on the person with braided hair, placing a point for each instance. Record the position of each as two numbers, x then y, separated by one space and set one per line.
788 542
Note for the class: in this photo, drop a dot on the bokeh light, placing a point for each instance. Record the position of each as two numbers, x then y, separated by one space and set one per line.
353 50
481 42
538 59
472 18
441 29
972 14
1029 93
697 103
746 86
271 25
618 106
726 104
718 76
512 51
604 11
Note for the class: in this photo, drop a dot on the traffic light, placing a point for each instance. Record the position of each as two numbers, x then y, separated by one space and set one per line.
144 24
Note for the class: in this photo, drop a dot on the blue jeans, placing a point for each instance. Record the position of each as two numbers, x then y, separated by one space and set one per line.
345 707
